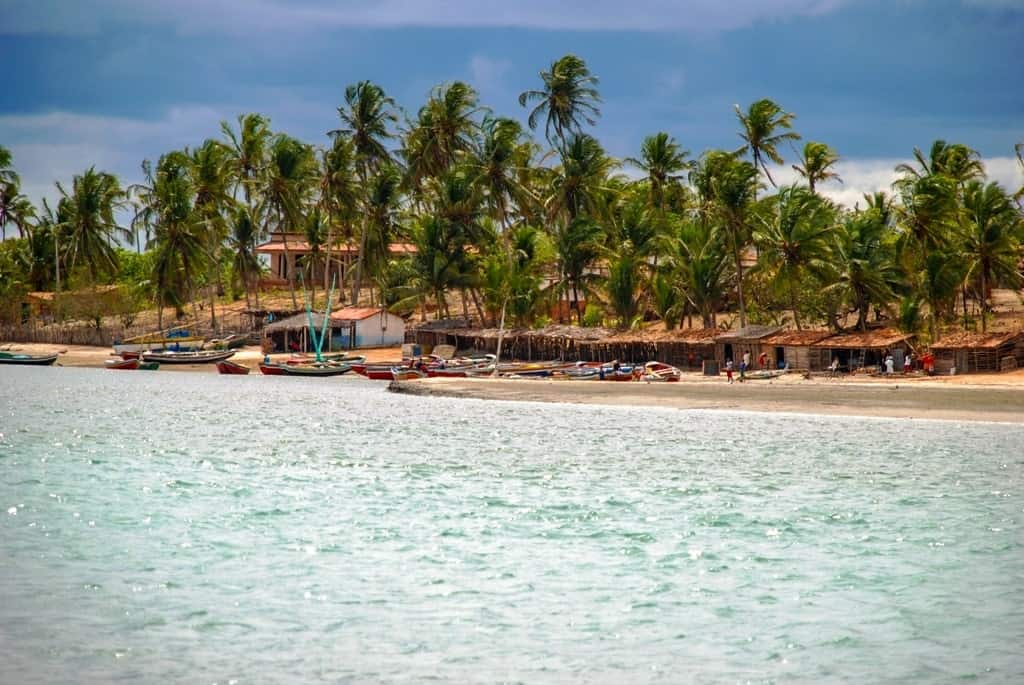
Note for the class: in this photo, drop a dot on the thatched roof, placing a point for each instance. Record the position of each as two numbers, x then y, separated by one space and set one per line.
876 339
696 336
796 338
748 333
977 341
300 321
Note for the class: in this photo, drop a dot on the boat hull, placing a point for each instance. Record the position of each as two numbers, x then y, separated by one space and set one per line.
27 359
230 368
203 357
123 365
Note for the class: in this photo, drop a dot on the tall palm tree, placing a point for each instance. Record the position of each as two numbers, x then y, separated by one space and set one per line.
15 209
795 241
315 230
700 264
380 211
212 178
291 174
244 262
568 97
581 179
927 211
90 228
955 161
577 246
366 119
993 235
761 124
7 173
864 263
817 164
728 187
446 128
663 160
248 152
495 163
339 195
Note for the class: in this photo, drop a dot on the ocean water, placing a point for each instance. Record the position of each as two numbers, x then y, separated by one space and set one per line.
168 527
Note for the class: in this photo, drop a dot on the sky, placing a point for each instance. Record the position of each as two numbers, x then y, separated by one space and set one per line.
112 82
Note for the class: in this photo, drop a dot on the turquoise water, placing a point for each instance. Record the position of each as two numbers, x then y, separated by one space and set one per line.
169 527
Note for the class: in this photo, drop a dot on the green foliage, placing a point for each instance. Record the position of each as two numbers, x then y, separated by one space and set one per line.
593 316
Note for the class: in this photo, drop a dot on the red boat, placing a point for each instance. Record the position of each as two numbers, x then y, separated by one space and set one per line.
406 374
231 368
271 369
123 364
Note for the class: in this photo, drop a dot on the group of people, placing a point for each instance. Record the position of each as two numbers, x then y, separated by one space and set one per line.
762 361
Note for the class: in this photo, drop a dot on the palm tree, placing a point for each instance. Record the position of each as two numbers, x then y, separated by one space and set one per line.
577 185
663 160
15 209
90 228
244 262
864 263
577 246
379 209
315 231
928 211
760 124
795 241
339 195
568 98
940 277
700 264
248 152
366 117
446 127
728 187
495 164
817 163
955 161
7 173
994 232
211 173
291 173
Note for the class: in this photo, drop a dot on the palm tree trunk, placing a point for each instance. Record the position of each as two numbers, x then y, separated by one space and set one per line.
984 302
291 268
792 304
739 279
357 282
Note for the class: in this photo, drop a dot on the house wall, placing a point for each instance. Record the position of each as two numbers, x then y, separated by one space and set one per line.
374 331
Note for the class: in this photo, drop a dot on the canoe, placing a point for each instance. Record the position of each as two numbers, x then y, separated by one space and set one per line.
307 359
583 373
316 370
272 369
148 366
27 359
406 374
231 368
123 364
200 357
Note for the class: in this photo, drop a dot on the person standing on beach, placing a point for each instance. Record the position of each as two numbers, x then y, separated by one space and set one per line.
833 368
728 371
889 365
908 363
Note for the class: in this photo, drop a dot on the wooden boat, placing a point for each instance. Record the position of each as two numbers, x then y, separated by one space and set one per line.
229 342
406 374
148 366
307 359
200 357
765 375
177 339
315 370
270 369
27 359
657 372
230 368
123 364
582 373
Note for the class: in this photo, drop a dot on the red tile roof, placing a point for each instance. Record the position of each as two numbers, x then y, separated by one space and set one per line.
355 313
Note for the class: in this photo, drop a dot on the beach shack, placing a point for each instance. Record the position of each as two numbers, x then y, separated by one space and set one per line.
291 334
858 350
368 327
792 349
732 345
974 352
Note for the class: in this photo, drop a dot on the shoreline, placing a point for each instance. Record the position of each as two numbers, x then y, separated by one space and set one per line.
909 400
978 397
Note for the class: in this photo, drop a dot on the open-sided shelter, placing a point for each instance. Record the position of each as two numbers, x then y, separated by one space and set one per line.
973 352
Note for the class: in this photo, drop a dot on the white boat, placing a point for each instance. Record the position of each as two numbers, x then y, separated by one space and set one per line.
200 357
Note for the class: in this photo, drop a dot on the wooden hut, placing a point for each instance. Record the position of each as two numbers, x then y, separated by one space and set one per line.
860 349
974 352
732 345
791 348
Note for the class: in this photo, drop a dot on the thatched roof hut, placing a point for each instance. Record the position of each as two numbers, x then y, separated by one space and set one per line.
746 341
792 348
973 352
861 349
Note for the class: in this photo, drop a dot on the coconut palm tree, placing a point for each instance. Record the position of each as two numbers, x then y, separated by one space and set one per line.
577 246
366 119
15 209
865 271
90 230
578 184
701 266
568 97
761 124
314 229
795 240
993 235
212 178
339 195
245 263
7 173
495 164
248 152
817 164
727 187
955 161
291 173
663 160
380 211
927 212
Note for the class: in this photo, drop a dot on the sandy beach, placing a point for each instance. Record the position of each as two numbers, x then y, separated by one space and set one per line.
978 397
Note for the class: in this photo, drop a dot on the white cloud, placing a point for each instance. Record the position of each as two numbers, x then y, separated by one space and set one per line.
861 176
240 16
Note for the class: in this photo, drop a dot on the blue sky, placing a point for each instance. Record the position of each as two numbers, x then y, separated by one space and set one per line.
112 82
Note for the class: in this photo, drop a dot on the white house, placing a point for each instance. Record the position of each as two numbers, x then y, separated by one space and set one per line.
367 327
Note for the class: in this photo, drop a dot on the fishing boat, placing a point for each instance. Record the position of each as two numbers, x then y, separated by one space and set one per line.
582 373
658 372
306 359
27 359
148 366
123 364
175 339
271 369
230 368
316 369
198 357
766 374
228 342
406 374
